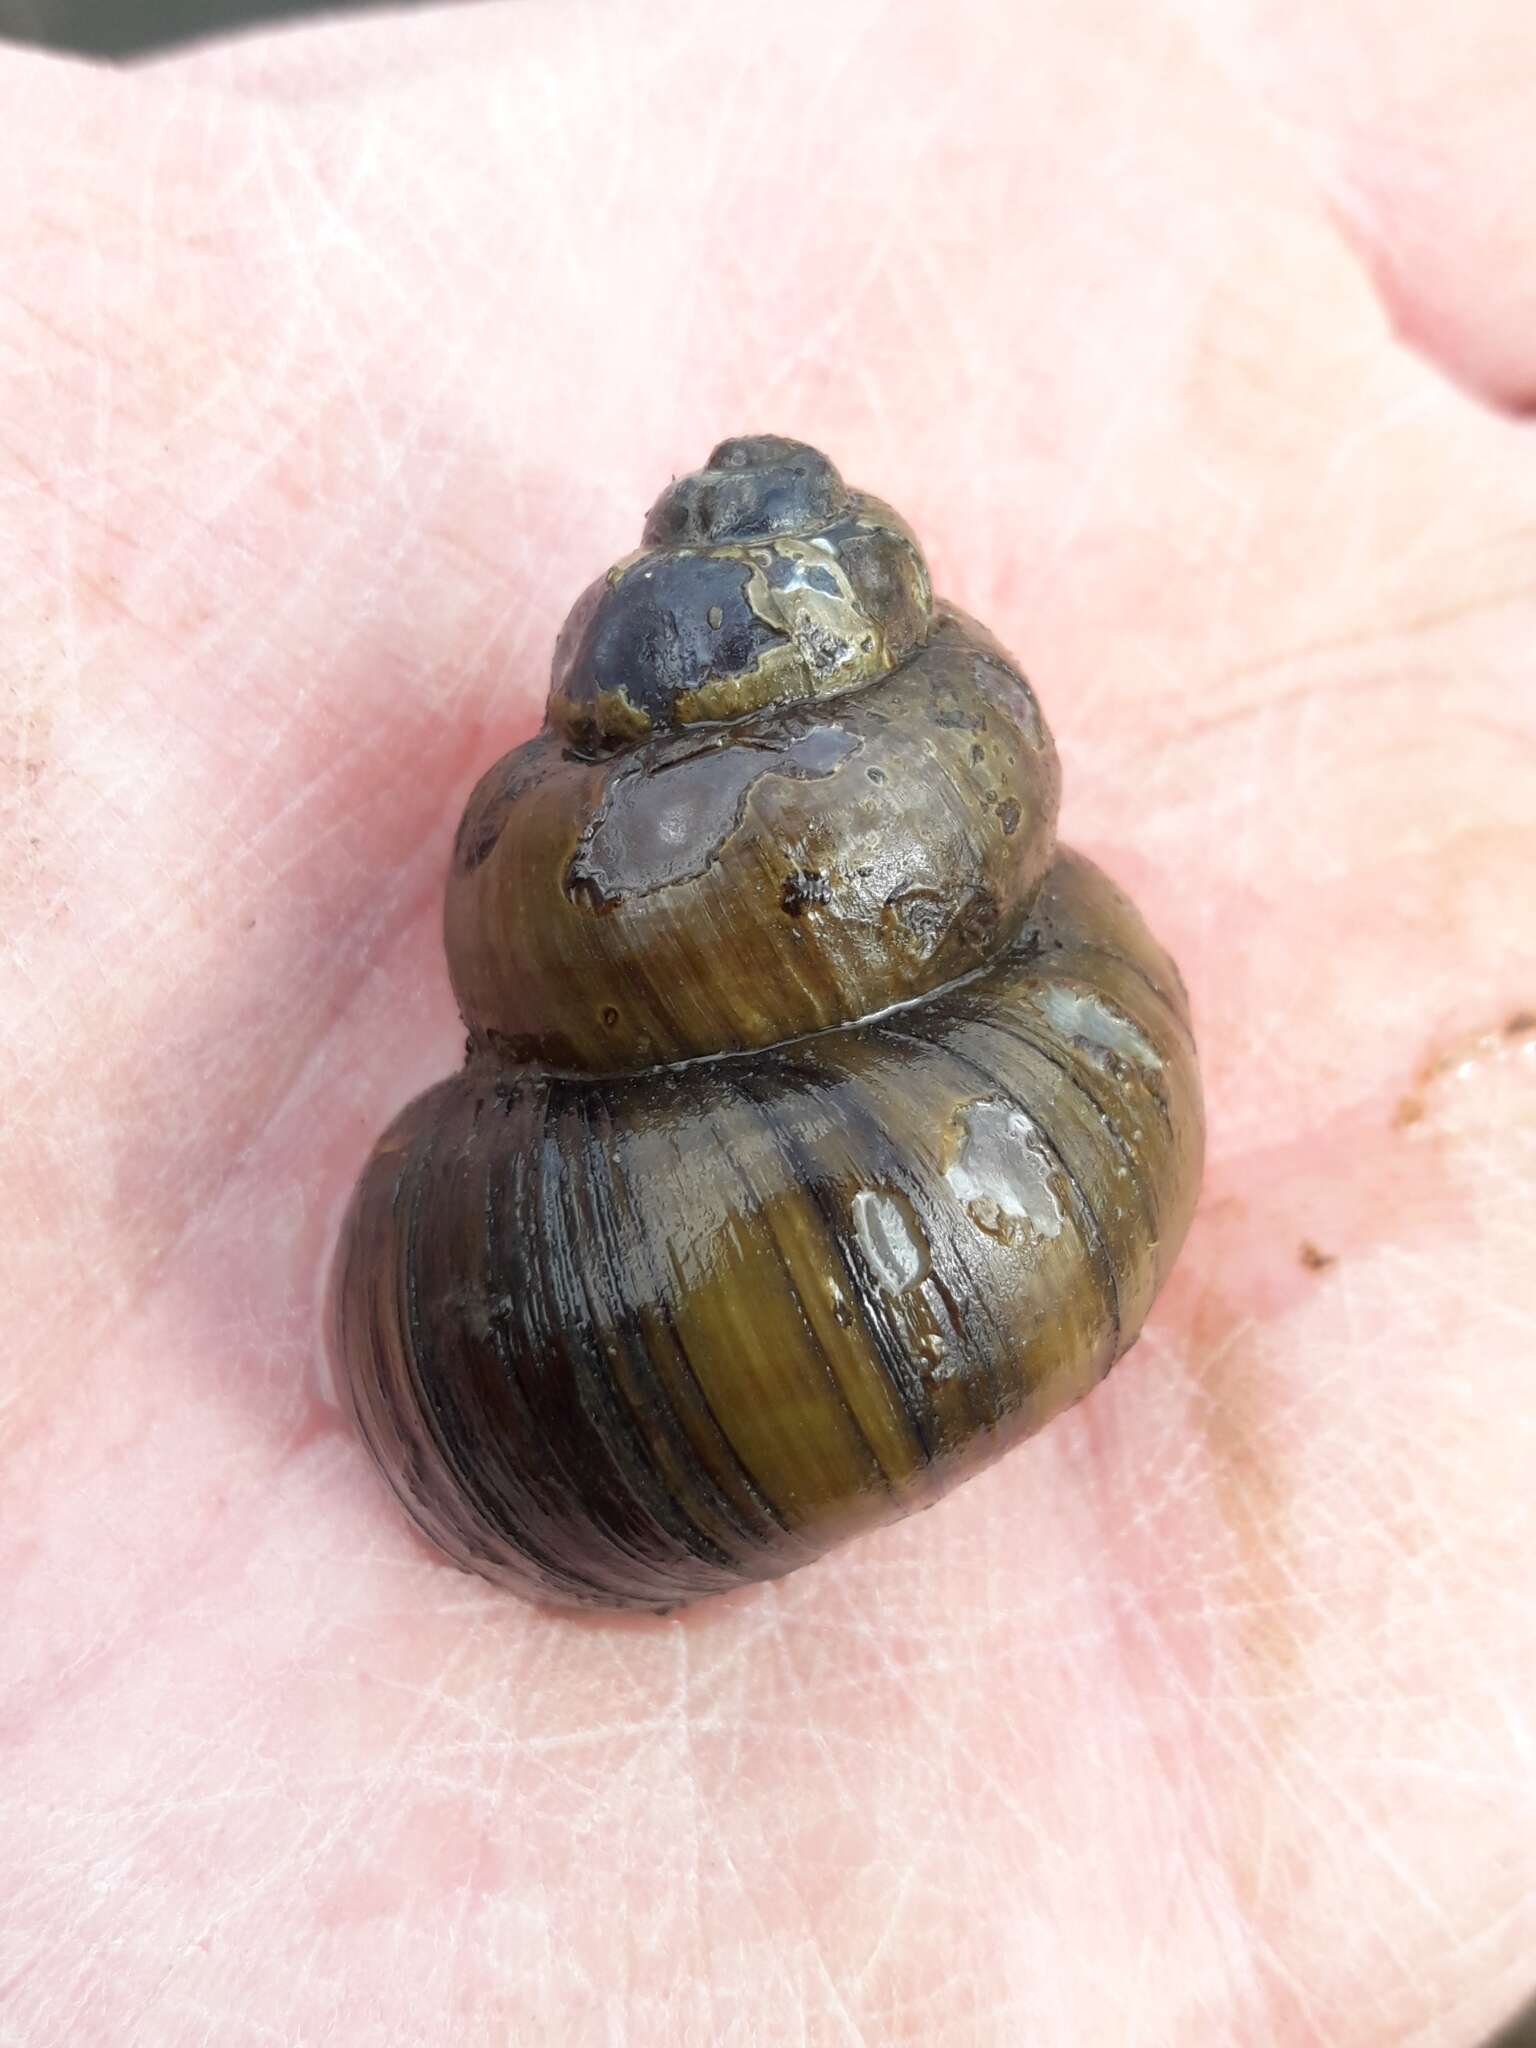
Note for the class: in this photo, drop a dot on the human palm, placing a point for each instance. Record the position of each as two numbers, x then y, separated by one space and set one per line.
335 364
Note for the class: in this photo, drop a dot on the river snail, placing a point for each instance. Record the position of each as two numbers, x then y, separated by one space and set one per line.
825 1129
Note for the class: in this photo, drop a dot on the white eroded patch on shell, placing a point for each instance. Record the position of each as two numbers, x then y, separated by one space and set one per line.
1001 1173
890 1239
1090 1021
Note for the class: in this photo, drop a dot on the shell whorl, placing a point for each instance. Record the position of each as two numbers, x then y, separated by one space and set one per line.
761 579
777 790
825 1129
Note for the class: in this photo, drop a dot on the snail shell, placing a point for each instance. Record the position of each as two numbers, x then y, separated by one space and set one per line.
825 1128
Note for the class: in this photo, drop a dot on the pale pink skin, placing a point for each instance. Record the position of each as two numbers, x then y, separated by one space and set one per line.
1190 336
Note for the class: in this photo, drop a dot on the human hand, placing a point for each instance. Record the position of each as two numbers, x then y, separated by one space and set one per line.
335 364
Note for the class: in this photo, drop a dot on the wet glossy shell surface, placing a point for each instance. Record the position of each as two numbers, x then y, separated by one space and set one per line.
626 1342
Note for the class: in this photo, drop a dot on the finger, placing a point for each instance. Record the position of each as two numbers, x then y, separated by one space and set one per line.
1426 144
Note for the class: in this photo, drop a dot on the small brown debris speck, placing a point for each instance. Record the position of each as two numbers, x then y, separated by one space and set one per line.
1314 1260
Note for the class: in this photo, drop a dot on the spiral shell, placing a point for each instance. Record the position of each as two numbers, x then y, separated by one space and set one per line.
825 1129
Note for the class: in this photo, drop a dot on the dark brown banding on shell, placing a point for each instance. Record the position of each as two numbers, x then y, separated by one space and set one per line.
825 1130
775 1299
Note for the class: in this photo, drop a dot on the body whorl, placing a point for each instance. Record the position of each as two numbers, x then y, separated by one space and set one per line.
825 1129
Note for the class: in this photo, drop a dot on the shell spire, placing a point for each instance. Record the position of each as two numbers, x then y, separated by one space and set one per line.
761 578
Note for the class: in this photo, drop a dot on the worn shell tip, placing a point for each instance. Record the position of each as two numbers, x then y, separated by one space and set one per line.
761 578
752 487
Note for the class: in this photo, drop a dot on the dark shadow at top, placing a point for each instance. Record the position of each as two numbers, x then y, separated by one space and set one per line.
132 28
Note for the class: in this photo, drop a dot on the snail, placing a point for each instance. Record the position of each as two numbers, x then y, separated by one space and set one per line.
825 1128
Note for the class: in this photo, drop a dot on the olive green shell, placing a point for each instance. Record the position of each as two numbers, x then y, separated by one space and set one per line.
824 1129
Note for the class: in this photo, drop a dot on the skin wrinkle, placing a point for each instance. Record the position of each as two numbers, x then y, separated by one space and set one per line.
946 1704
1414 146
227 1186
1135 1631
1223 1408
291 799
